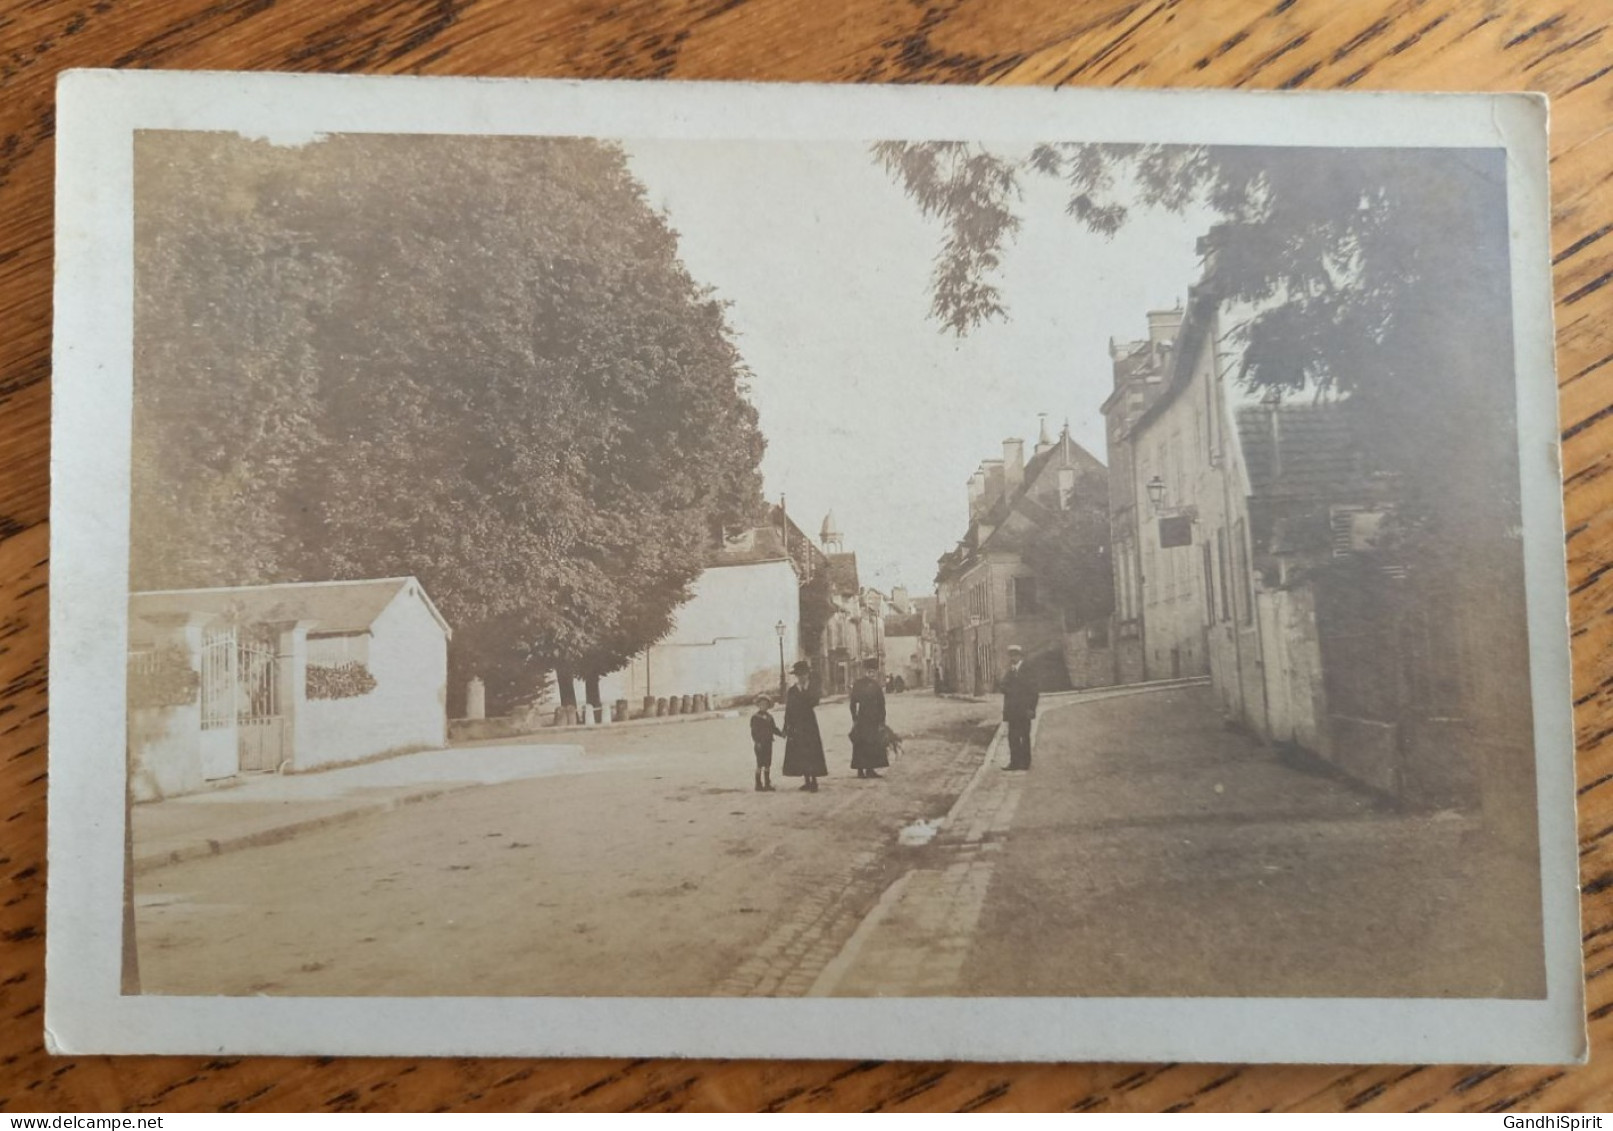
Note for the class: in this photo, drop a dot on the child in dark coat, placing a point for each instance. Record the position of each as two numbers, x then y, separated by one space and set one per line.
762 732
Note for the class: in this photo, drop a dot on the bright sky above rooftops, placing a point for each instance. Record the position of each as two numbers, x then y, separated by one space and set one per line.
868 406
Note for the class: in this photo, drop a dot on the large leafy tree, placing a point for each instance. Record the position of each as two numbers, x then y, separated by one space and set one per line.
475 360
1069 552
1373 275
1378 278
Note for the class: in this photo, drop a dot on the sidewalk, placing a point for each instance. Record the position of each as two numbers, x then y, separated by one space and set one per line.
1160 854
268 808
919 935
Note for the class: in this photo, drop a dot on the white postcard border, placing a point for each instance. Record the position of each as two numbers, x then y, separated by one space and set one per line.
97 114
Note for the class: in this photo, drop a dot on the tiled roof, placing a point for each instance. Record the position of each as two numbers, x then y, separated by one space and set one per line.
758 544
1202 303
1300 451
843 573
910 625
333 606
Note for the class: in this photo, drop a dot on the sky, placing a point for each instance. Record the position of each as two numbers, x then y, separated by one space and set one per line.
871 408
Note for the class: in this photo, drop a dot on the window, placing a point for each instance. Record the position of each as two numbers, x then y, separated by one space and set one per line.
1021 596
1123 580
1209 586
1066 487
1246 583
1221 564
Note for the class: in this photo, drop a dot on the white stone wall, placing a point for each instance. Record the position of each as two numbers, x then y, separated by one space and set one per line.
904 656
165 751
725 643
1295 702
408 656
1176 447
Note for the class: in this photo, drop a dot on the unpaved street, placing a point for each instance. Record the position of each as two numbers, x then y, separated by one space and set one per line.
657 872
1150 851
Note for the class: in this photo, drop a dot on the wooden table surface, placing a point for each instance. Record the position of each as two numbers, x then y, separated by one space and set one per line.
1562 47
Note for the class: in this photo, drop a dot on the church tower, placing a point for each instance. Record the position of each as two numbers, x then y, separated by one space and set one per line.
829 536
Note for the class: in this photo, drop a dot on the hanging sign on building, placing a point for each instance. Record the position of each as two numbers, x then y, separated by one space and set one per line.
1175 531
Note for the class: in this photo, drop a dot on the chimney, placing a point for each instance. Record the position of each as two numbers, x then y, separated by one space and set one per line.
1013 464
1042 440
977 490
993 471
1164 326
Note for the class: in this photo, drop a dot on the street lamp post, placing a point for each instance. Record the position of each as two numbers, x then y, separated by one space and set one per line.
1156 493
779 628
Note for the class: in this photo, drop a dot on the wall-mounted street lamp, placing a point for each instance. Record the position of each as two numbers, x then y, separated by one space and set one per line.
779 628
1156 492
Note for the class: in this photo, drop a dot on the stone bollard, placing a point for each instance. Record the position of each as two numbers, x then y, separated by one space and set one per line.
674 705
660 707
618 711
700 704
649 707
683 705
476 699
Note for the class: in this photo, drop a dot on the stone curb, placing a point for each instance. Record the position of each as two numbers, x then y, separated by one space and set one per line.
277 834
520 737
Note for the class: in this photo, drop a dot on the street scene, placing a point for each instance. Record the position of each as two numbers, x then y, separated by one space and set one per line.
957 879
570 567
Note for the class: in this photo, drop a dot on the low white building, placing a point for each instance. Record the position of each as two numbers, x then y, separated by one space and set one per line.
281 677
730 640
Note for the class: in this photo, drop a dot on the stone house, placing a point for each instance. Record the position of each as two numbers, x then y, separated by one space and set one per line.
1139 369
1031 569
907 647
1266 561
854 627
726 643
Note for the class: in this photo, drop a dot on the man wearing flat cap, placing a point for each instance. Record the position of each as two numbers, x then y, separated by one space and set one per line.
1019 708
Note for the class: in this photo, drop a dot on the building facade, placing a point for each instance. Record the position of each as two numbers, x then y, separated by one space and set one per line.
1267 560
1139 369
1031 568
731 639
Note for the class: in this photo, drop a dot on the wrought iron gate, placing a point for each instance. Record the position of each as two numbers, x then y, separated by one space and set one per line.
218 679
241 689
260 727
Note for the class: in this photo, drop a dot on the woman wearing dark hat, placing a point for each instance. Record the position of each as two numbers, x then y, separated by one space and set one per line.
803 745
868 722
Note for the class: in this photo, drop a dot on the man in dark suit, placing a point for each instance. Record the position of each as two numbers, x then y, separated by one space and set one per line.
1019 708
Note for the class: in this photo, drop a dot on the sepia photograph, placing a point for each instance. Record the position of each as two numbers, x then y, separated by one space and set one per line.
853 564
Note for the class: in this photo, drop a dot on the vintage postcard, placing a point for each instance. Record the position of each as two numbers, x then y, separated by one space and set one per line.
570 568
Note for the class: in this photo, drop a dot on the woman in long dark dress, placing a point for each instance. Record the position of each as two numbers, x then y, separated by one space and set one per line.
867 700
803 745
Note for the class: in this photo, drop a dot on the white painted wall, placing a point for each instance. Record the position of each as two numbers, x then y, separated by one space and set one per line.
724 644
1176 447
904 656
1295 702
408 656
165 751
